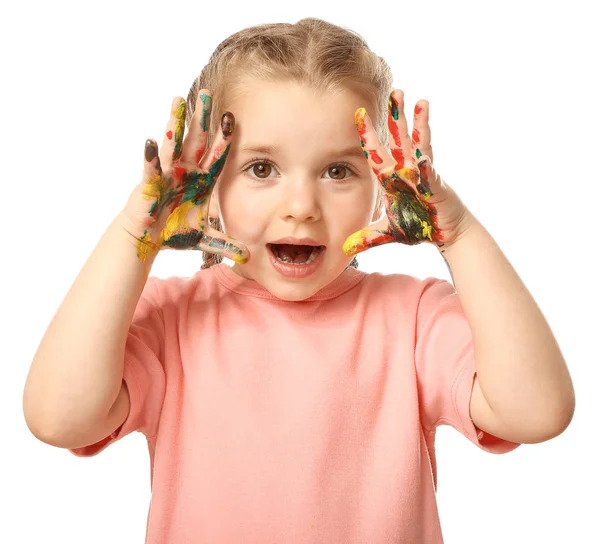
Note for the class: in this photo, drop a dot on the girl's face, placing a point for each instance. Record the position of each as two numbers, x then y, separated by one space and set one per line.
295 168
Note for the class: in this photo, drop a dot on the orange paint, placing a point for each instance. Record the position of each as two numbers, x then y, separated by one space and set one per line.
170 134
359 120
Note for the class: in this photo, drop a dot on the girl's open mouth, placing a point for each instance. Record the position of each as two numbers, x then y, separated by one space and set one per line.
295 261
293 254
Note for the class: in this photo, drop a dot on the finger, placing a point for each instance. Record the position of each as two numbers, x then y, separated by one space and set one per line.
431 186
401 144
153 184
214 160
173 140
141 205
421 136
214 241
194 145
376 234
380 161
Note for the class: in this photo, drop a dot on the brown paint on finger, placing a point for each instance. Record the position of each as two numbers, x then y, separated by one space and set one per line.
150 150
151 153
227 124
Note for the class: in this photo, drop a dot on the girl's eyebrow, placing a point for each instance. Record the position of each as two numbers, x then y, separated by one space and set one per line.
354 151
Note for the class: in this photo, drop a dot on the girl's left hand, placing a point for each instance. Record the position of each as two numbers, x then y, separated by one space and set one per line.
420 207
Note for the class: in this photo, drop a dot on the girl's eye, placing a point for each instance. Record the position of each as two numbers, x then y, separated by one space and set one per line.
262 169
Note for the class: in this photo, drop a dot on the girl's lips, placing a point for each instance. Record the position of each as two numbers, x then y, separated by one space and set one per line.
297 241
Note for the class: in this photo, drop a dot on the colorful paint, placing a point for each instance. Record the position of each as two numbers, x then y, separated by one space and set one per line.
184 192
204 123
411 219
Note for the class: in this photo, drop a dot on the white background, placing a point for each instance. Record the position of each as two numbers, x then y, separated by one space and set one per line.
514 115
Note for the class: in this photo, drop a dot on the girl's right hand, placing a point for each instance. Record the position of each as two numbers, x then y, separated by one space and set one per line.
170 205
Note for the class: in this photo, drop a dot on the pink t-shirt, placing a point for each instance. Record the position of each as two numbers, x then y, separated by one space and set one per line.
311 421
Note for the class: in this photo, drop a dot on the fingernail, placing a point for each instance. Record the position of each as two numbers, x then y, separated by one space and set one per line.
227 123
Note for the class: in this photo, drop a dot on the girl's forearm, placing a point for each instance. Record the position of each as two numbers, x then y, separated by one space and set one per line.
77 371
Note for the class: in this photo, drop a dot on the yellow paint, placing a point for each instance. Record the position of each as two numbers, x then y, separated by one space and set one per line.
241 259
356 242
179 113
176 222
154 187
426 229
146 248
359 118
410 173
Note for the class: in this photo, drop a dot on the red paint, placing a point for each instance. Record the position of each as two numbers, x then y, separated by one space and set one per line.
176 202
398 156
170 134
375 157
200 154
394 131
418 109
178 173
416 136
396 149
377 241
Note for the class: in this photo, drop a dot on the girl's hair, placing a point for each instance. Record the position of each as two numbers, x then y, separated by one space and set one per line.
311 52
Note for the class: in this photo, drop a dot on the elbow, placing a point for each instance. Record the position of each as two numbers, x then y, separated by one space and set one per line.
46 428
554 425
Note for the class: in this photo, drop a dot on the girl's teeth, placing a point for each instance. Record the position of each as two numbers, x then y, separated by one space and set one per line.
310 259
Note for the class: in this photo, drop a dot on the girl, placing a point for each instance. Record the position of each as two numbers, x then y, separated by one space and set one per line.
292 397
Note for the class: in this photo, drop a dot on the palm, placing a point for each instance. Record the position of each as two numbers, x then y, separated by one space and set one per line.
411 219
411 216
179 187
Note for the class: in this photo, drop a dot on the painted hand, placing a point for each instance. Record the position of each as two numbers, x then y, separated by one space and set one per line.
171 203
420 207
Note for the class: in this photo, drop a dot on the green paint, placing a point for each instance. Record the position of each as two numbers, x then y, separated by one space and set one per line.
206 102
217 166
394 107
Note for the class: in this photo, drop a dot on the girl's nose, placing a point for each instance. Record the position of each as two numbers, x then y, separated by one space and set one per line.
301 201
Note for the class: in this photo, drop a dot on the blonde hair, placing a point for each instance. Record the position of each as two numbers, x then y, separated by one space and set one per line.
311 52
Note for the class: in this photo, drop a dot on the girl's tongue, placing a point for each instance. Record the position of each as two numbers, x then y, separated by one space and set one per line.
292 253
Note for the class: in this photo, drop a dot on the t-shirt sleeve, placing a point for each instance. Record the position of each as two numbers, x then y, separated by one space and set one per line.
445 366
143 372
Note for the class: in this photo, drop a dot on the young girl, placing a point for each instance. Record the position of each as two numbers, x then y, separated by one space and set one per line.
292 397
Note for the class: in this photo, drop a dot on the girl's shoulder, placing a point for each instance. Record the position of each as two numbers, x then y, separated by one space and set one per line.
174 290
403 284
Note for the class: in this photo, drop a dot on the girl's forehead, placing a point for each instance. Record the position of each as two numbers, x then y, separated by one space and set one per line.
273 110
277 98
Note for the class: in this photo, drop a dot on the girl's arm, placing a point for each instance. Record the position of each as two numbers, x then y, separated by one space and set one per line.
76 377
523 391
